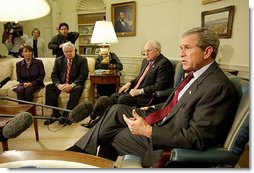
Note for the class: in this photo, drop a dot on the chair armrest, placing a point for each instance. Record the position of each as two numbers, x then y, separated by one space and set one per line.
131 161
212 155
163 93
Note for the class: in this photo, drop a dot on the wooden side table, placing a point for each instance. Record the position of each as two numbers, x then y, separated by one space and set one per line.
113 78
15 109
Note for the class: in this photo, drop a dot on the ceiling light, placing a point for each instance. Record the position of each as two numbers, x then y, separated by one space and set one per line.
20 10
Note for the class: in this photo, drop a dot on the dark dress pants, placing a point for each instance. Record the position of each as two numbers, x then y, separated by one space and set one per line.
114 138
127 99
52 94
26 93
106 89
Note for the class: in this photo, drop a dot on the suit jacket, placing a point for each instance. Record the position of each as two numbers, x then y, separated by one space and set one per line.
40 46
202 116
199 120
159 77
35 74
119 27
78 74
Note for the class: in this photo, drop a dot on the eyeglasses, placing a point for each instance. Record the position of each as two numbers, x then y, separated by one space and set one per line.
147 51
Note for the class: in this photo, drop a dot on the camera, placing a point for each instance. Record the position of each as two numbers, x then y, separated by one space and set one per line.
17 28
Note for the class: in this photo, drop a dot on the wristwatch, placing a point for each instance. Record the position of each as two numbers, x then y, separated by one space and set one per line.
73 85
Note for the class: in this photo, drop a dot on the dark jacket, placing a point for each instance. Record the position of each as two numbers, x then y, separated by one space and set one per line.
35 74
198 118
78 74
113 59
59 39
119 27
159 77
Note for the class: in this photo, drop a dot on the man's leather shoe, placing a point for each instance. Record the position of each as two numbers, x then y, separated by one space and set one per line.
53 118
49 121
89 125
64 120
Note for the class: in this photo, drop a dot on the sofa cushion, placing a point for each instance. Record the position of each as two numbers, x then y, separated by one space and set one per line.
9 69
48 66
6 69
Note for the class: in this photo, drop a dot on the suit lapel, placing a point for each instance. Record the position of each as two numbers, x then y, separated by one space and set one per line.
188 94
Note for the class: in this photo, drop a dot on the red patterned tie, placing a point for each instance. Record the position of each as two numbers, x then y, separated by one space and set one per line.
160 114
68 71
149 65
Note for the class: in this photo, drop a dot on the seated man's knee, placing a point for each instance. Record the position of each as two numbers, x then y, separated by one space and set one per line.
77 90
124 99
114 98
119 108
50 86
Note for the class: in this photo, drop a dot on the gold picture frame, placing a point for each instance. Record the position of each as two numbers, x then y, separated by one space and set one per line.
126 10
219 20
208 1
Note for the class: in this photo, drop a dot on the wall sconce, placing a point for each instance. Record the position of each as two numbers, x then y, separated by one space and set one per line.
20 10
104 34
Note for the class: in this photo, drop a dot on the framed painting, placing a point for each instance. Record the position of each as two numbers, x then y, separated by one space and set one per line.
123 16
219 20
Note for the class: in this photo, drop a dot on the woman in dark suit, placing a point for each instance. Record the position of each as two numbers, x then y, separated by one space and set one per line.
30 74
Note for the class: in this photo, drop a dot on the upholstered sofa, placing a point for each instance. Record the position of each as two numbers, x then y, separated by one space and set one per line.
8 68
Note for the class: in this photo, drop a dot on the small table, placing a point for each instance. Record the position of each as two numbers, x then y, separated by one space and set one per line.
52 159
111 78
13 110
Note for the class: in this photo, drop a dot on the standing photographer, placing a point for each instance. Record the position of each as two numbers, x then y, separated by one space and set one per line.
15 38
62 37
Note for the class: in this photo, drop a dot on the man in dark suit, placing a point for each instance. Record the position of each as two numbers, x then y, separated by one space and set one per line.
121 25
200 118
156 73
159 76
69 75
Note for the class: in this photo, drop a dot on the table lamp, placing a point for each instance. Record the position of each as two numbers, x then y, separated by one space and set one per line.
104 34
20 10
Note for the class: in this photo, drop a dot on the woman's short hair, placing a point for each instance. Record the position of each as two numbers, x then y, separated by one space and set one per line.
25 46
36 29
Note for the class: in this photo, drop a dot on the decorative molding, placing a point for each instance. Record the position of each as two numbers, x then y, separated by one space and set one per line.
132 64
131 67
90 6
243 71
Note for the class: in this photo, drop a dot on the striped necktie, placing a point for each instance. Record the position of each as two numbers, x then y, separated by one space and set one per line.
68 69
149 65
160 114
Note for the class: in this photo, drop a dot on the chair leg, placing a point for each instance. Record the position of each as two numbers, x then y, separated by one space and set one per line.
5 145
36 130
33 112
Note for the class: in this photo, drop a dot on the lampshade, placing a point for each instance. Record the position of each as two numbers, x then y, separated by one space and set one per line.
20 10
104 33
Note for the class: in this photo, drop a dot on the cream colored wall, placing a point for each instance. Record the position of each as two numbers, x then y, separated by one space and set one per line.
165 21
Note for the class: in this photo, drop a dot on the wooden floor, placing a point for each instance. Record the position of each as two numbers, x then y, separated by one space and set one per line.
55 139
